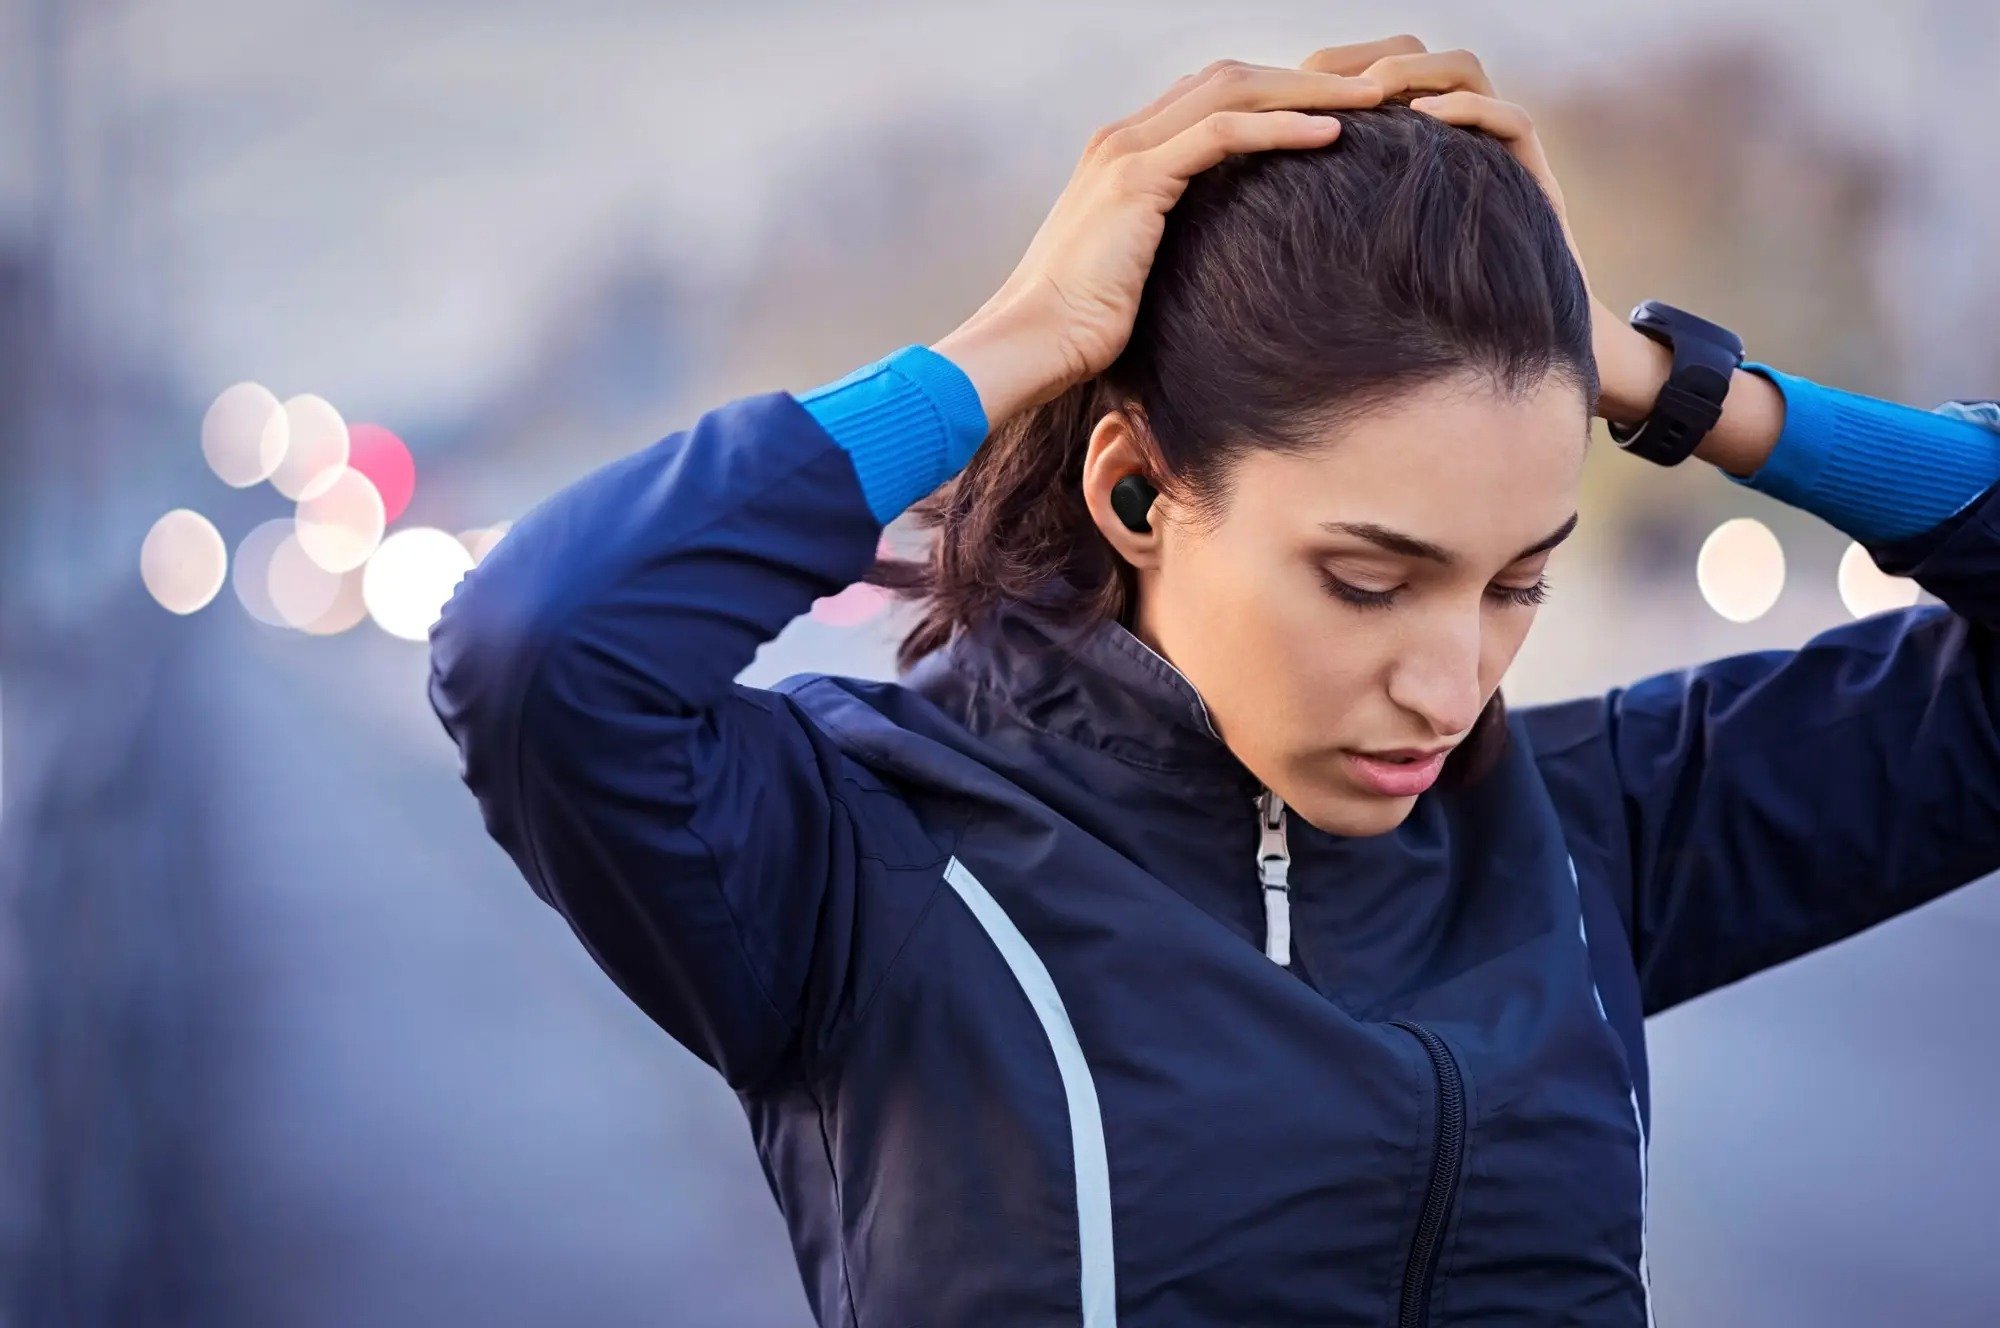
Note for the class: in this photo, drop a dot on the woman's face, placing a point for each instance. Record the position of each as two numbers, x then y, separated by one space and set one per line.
1365 596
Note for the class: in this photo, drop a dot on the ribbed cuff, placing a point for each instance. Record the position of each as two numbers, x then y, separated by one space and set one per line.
1876 470
910 421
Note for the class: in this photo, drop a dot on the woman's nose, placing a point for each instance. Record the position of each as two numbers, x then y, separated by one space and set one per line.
1441 683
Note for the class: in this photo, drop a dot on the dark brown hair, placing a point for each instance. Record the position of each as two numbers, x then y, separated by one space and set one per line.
1293 291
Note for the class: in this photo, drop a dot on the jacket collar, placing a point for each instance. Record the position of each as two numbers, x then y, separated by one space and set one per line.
1101 688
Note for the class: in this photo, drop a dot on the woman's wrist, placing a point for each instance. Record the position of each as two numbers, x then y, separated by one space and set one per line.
1753 417
1632 368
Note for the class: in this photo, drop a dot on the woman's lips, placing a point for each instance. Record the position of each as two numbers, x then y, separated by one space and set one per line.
1392 779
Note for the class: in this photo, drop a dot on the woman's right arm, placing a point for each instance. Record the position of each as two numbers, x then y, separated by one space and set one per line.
692 831
1750 809
689 829
696 833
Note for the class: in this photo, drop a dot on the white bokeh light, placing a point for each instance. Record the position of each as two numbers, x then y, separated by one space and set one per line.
1866 588
183 561
341 523
410 577
317 448
1741 569
251 575
244 434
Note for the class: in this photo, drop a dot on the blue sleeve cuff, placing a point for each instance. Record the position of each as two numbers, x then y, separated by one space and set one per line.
1877 470
910 421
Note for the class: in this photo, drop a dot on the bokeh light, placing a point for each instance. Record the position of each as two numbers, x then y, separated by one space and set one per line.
480 542
251 575
1866 588
382 457
244 434
410 577
852 606
342 522
183 561
316 450
1741 569
300 589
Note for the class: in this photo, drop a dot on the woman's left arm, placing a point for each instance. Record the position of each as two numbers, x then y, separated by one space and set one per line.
1752 808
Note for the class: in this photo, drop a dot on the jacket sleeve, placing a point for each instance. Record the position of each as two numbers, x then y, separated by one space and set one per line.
694 832
1753 808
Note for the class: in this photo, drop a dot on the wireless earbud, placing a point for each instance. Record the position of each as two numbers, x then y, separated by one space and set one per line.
1131 498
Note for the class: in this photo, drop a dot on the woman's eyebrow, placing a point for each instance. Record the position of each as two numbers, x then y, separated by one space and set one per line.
1395 541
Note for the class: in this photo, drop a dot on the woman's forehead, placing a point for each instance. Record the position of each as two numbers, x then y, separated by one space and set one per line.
1430 462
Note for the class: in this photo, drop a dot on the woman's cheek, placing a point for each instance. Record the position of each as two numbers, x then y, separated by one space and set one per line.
1504 643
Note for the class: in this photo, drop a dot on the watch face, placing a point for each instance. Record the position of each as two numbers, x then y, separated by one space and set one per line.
1665 323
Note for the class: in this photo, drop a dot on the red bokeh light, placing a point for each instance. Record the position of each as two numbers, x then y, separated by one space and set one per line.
381 456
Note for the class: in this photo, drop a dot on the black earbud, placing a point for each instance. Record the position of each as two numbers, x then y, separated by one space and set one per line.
1131 498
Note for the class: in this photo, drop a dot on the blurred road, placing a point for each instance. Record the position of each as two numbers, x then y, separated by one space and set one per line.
1824 1152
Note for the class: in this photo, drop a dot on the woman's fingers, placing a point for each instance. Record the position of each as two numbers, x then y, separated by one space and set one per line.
1353 60
1455 88
1430 71
1224 133
1503 120
1232 86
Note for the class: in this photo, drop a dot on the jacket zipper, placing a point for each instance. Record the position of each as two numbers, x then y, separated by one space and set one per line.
1445 1165
1274 869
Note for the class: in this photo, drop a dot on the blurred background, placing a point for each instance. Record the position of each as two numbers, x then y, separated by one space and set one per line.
301 302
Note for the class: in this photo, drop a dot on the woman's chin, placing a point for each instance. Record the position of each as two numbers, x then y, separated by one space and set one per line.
1354 814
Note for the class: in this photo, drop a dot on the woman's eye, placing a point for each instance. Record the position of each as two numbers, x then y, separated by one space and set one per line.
1525 595
1380 599
1367 599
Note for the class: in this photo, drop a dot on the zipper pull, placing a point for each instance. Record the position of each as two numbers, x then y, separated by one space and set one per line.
1274 868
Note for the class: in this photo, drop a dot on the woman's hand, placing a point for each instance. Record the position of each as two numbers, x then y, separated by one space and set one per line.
1453 86
1068 308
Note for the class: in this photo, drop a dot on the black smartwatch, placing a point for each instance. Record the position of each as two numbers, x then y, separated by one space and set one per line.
1705 356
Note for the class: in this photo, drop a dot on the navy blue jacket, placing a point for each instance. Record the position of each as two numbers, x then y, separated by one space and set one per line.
981 950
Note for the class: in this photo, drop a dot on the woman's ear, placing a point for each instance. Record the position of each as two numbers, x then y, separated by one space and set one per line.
1119 453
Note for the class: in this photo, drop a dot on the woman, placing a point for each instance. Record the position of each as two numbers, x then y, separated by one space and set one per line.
1189 937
